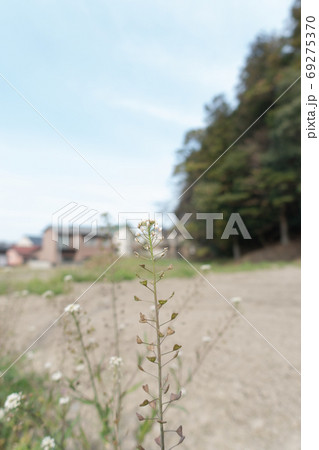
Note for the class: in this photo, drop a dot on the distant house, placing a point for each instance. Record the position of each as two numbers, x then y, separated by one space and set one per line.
61 246
25 250
4 247
74 245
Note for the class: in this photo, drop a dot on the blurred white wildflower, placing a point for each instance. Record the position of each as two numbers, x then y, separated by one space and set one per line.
30 355
205 267
47 365
152 307
183 391
235 301
206 339
24 293
121 326
115 361
2 413
72 308
13 401
68 278
80 367
64 400
47 443
47 294
56 376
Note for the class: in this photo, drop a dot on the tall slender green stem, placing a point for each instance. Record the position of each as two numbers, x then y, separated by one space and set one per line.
115 322
158 341
116 440
96 398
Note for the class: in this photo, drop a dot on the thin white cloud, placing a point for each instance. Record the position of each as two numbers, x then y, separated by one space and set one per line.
159 112
216 73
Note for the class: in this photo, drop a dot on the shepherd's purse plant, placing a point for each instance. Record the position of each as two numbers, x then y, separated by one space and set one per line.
159 355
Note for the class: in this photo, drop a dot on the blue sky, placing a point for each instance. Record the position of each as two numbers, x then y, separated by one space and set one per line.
122 81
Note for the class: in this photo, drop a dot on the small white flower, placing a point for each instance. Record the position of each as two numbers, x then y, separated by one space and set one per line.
206 339
47 365
30 355
68 278
56 376
64 400
2 413
72 308
47 294
80 367
183 391
152 307
115 361
13 401
206 267
235 301
47 443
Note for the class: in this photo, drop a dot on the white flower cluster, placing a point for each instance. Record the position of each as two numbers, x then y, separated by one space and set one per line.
205 267
56 376
64 400
30 355
148 230
72 308
13 401
235 301
68 278
48 294
47 443
116 361
80 367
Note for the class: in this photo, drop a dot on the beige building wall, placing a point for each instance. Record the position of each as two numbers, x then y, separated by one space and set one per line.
87 249
49 250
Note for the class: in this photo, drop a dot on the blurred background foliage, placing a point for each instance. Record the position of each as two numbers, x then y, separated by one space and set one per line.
259 177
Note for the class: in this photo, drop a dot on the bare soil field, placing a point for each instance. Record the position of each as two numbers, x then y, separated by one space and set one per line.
245 394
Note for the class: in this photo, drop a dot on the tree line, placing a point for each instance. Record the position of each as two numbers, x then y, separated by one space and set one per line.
259 176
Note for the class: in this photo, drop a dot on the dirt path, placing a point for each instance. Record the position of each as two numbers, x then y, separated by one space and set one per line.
245 396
